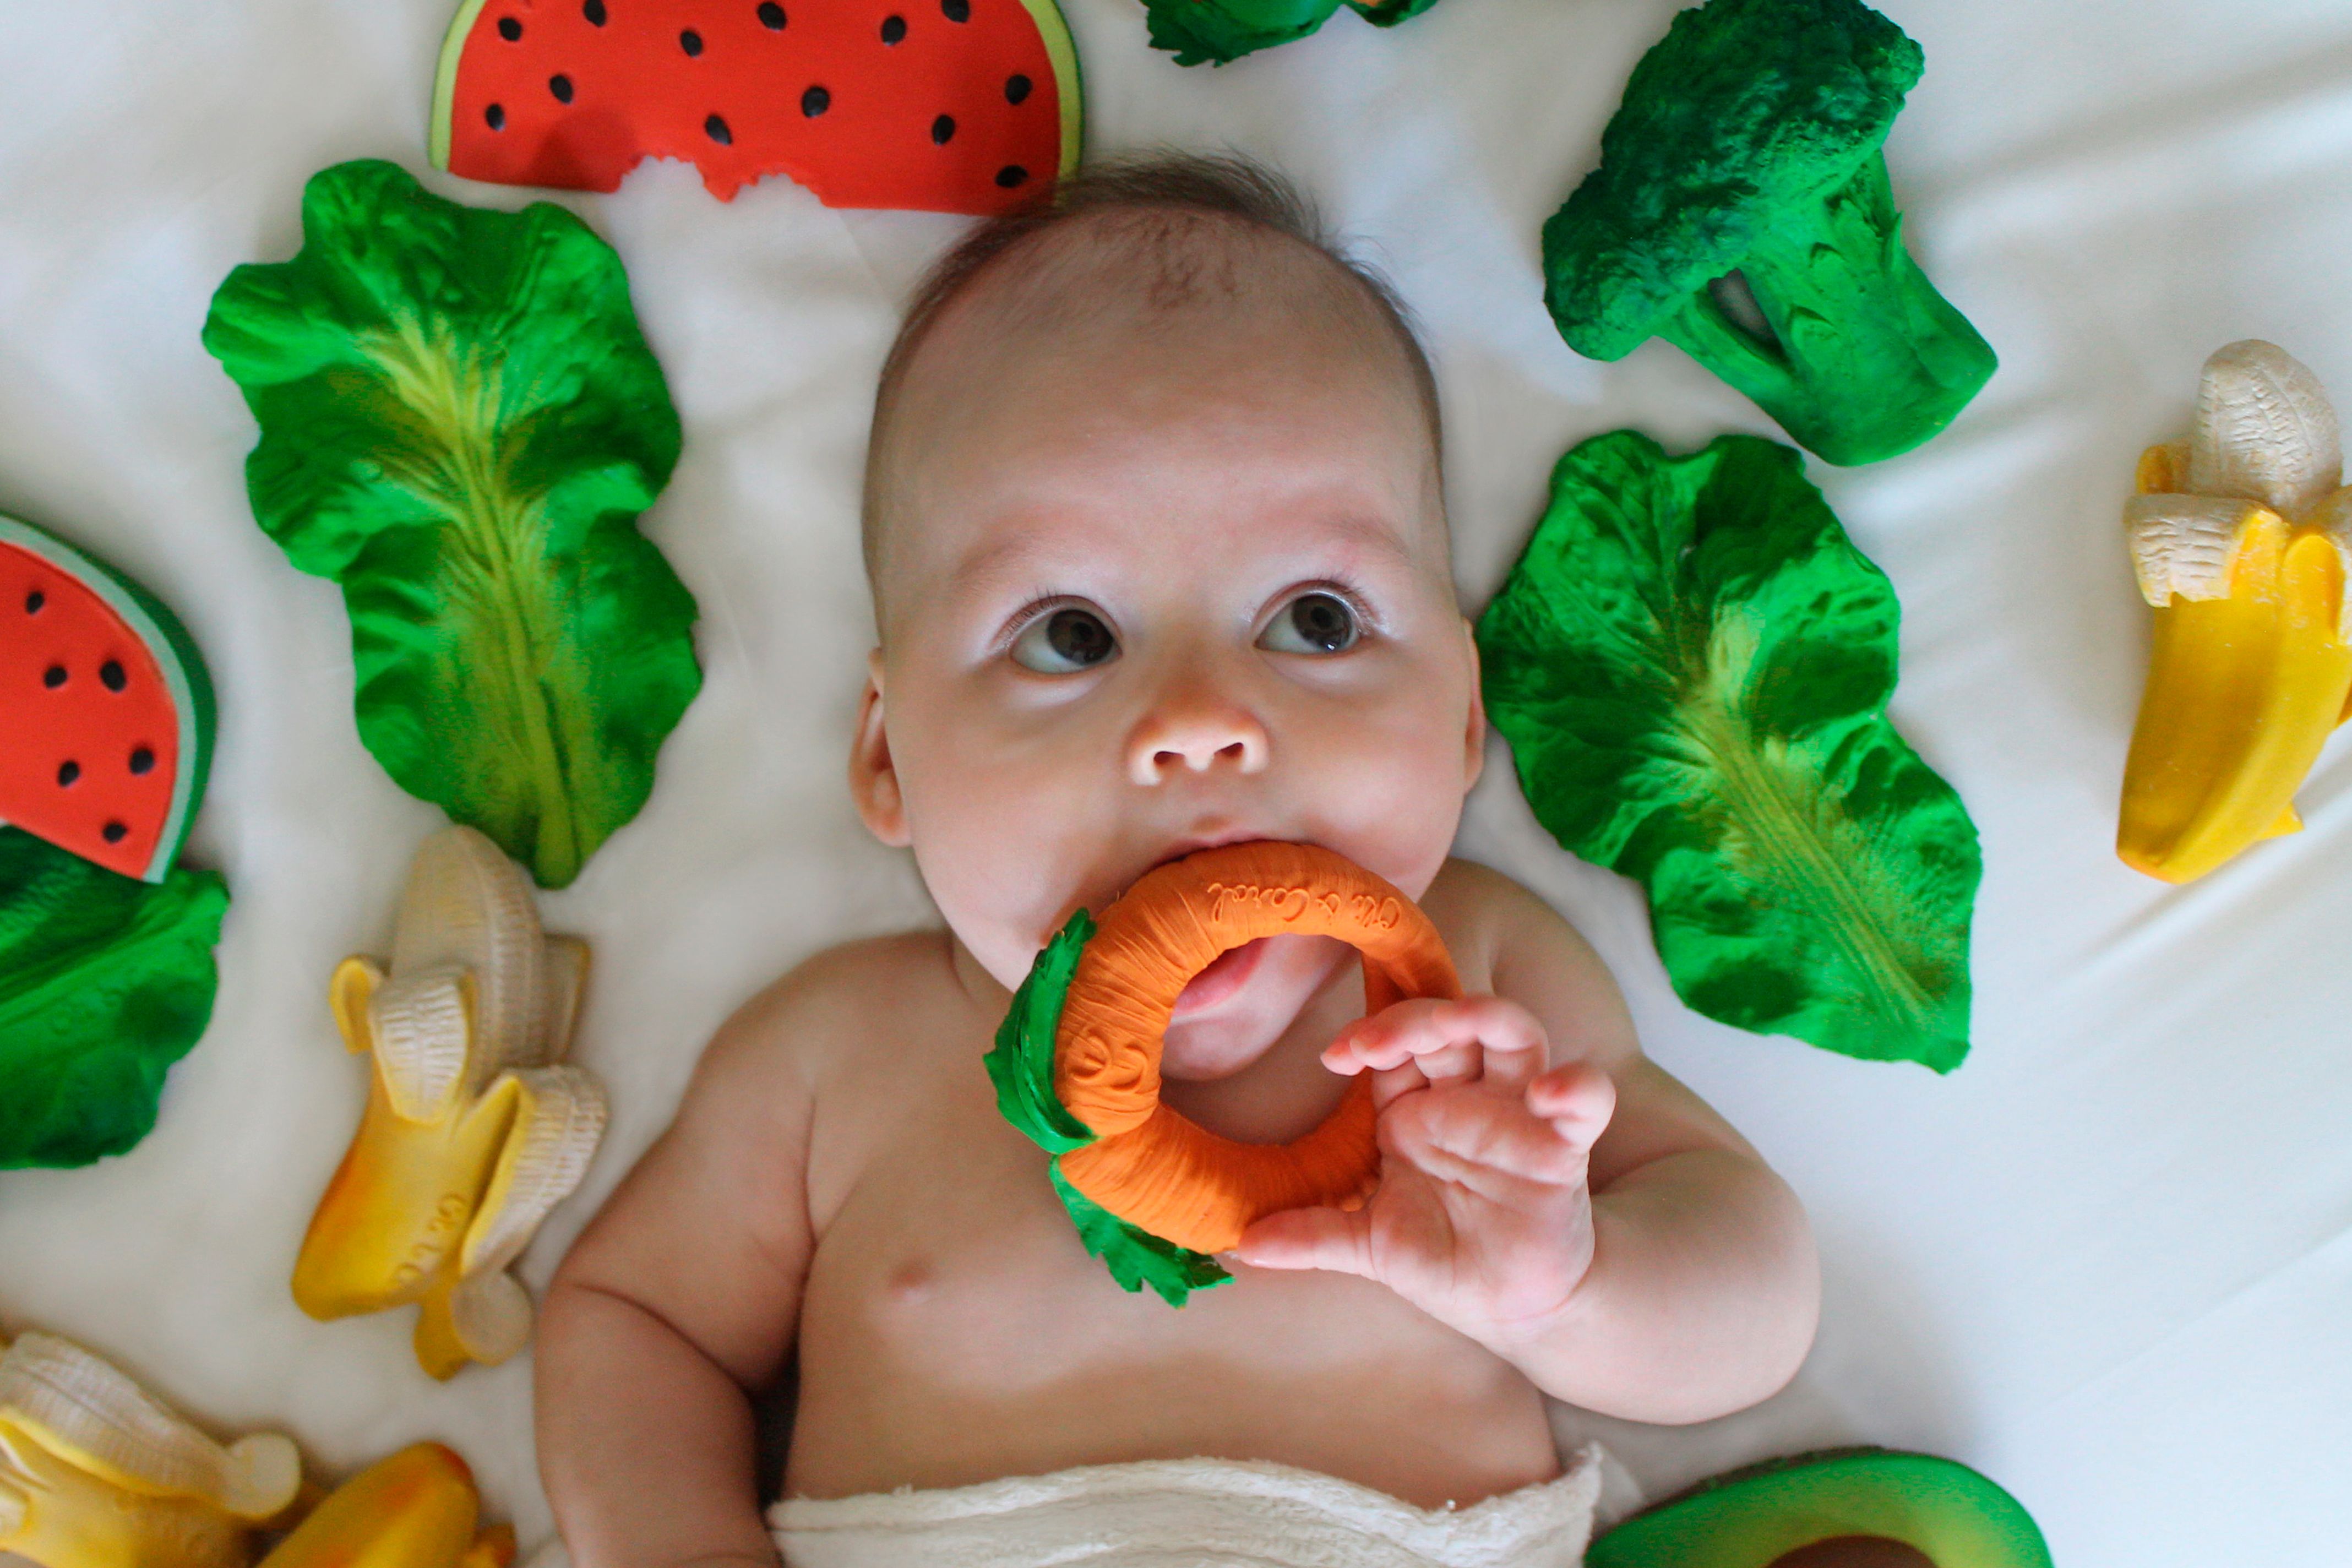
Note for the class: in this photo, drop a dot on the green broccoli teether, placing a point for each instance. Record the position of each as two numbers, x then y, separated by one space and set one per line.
1747 142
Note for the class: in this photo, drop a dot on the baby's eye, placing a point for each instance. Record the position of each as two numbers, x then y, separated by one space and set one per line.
1312 623
1064 642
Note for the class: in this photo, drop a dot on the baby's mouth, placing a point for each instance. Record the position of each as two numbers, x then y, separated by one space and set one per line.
1226 973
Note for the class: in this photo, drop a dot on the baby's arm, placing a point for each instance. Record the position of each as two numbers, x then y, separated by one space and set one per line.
1590 1220
676 1305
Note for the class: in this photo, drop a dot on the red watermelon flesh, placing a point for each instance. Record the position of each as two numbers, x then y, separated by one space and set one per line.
963 106
106 710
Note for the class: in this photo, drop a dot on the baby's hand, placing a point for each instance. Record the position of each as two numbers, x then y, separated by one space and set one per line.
1483 1218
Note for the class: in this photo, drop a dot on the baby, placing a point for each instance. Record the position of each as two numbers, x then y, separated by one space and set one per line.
1160 561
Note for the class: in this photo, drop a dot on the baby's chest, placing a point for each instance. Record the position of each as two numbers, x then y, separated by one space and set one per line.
951 1260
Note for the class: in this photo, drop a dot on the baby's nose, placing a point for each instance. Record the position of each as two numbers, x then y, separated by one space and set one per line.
1195 736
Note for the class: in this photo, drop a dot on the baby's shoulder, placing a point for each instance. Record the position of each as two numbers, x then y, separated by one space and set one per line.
1484 916
833 1008
1507 941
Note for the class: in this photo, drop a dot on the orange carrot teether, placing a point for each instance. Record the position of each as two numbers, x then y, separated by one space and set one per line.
1077 1063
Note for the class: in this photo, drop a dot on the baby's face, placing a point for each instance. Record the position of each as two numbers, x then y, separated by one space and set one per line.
1154 579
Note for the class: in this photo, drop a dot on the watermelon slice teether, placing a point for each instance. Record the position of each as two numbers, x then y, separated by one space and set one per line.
962 105
105 704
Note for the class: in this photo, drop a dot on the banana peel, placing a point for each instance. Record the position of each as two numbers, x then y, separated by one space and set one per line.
415 1508
97 1473
473 1127
2242 540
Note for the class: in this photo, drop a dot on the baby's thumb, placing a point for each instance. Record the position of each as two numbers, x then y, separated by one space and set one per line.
1309 1238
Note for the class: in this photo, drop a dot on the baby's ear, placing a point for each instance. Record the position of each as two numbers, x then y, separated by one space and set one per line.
873 777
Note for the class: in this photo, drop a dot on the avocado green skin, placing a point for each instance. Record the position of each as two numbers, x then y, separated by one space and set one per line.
1752 1517
1222 31
1749 140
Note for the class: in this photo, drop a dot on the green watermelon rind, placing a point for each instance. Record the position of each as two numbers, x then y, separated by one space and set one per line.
176 657
1046 16
1020 1064
445 82
1054 32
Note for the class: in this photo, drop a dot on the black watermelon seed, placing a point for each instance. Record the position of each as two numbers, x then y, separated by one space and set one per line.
691 42
716 129
815 101
67 774
943 128
143 760
1010 175
1017 88
509 29
956 10
54 676
495 116
34 601
111 674
561 86
893 28
594 11
772 16
113 832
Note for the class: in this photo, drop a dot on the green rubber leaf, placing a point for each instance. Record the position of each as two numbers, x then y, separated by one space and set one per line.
1022 1063
1222 31
105 982
1134 1256
460 422
1692 664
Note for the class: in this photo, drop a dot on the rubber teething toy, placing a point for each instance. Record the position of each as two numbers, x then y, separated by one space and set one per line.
95 1472
473 1130
460 422
1225 30
1076 1062
963 106
1747 144
1856 1505
105 704
2242 539
415 1508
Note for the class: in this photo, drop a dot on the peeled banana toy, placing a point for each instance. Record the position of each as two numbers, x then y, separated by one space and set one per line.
2242 537
95 1472
473 1127
416 1509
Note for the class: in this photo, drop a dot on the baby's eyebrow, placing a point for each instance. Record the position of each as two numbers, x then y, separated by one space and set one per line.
994 565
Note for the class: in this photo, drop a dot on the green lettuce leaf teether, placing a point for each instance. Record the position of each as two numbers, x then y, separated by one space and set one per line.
1222 31
105 982
1692 665
460 422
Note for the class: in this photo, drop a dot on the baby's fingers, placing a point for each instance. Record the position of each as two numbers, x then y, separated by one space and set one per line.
1329 1239
1490 1145
1444 1041
1578 1098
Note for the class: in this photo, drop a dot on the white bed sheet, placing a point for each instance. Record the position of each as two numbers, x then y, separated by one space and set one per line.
2108 1261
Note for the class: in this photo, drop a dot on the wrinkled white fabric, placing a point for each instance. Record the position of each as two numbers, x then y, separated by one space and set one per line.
2106 1261
1189 1513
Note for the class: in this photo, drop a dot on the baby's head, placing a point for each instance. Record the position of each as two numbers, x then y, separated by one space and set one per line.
1158 545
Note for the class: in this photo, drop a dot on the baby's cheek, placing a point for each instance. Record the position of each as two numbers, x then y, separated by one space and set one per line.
1385 783
1002 841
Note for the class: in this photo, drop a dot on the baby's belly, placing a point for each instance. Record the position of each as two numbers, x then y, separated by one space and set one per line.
955 1332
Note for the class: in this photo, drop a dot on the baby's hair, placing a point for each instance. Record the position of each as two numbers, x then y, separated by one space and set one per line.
1181 187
